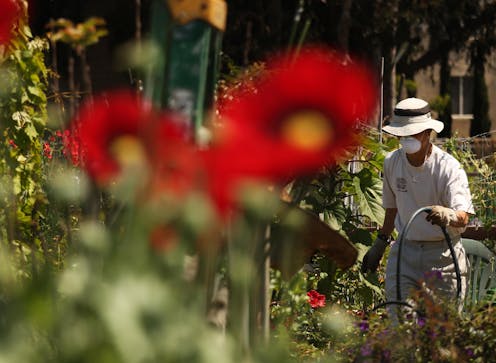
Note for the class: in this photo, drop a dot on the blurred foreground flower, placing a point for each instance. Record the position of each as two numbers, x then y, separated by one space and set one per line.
297 117
302 115
10 11
176 165
110 131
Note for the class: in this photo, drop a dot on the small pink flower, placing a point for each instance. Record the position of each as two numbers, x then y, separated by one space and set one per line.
316 300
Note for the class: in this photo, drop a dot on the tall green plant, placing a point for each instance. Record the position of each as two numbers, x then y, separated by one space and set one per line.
23 114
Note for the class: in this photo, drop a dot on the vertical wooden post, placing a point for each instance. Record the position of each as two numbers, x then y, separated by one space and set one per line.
189 37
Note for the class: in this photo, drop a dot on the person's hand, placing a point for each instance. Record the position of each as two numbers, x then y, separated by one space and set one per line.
441 216
373 256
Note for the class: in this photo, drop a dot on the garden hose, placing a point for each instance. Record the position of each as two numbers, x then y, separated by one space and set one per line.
403 233
450 246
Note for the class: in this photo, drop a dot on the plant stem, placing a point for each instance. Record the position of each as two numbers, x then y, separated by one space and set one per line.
137 20
86 73
296 22
302 37
72 86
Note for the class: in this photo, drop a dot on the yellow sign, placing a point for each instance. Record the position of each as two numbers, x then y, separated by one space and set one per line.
213 12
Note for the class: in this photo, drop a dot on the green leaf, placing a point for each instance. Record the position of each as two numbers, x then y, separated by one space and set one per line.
377 164
335 216
368 197
30 131
36 91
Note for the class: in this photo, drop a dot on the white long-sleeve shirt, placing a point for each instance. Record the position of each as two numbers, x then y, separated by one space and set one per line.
439 181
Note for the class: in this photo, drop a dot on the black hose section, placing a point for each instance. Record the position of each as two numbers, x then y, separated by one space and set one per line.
455 262
400 245
450 246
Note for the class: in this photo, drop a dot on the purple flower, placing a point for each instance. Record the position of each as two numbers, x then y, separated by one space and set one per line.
386 354
366 350
469 352
421 322
432 334
364 326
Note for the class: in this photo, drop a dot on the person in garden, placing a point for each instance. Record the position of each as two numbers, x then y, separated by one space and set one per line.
417 175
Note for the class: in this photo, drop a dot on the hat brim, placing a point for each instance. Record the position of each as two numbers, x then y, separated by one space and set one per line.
400 129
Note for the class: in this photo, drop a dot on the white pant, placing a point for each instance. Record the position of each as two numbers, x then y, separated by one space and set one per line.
426 259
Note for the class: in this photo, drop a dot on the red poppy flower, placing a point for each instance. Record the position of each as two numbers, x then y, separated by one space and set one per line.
302 116
122 130
10 11
316 300
110 130
226 178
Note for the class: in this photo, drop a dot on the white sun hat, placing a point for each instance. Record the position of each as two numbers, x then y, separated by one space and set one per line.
412 116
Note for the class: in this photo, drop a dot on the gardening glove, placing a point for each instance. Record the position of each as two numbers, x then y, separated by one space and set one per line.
441 216
373 256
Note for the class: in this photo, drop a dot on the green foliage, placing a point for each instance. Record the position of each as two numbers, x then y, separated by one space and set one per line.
411 87
78 36
441 104
313 330
117 300
23 114
482 180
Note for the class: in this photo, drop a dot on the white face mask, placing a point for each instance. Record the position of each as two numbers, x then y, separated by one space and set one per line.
410 144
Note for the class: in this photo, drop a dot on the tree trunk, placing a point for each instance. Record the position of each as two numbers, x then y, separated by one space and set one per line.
344 26
444 89
389 82
390 54
274 18
481 122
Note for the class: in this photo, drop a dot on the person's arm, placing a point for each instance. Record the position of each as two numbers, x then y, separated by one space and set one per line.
388 225
373 256
457 201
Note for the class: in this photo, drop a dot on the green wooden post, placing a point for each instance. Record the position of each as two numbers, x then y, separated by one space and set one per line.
189 36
